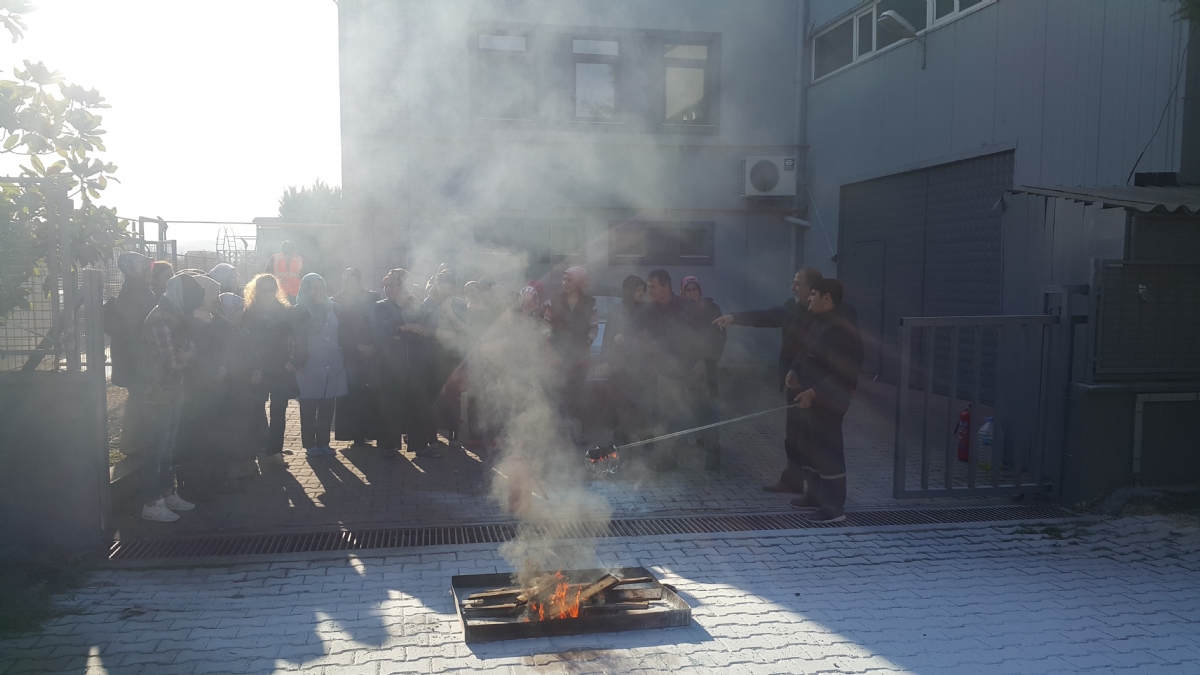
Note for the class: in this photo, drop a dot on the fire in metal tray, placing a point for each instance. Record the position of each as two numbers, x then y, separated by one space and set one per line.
565 603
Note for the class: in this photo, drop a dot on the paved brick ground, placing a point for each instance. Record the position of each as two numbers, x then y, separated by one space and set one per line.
358 489
1116 596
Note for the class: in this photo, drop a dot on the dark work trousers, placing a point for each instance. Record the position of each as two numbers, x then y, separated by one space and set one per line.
356 414
316 419
420 422
825 461
406 410
704 411
272 431
391 419
795 439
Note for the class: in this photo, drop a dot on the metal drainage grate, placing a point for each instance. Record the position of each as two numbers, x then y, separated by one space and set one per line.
407 537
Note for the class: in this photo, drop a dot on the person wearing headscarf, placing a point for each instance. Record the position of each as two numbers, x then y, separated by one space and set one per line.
708 341
227 276
317 356
200 441
267 325
574 324
403 335
625 386
160 272
449 314
123 321
169 353
356 412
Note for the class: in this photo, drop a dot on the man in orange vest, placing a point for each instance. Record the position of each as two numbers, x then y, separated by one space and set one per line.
288 268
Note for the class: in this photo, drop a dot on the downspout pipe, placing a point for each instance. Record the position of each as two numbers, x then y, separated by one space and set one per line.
801 132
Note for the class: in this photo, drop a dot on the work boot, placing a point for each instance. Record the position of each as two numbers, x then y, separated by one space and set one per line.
783 488
805 503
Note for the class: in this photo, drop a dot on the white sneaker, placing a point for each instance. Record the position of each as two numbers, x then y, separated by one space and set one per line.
159 512
175 503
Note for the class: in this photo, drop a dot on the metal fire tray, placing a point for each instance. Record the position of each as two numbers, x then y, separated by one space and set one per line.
670 610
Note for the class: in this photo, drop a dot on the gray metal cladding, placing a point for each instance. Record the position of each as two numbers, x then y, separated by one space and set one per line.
941 233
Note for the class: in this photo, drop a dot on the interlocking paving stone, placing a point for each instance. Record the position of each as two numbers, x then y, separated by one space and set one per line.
1108 596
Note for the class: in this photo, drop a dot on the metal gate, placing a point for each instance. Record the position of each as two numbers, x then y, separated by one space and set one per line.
942 370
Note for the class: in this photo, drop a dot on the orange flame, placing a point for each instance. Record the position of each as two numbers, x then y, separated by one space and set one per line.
561 604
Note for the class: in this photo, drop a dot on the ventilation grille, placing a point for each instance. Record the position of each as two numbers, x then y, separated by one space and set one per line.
408 537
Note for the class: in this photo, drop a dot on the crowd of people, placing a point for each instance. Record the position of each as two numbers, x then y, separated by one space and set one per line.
211 365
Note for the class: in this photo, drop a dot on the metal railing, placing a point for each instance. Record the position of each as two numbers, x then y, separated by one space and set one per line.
1018 374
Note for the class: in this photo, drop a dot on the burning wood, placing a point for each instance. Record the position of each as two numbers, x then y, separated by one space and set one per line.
553 596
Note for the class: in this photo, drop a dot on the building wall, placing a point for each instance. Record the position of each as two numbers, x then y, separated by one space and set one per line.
1077 87
419 172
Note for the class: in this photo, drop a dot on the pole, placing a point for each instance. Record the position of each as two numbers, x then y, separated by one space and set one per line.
597 454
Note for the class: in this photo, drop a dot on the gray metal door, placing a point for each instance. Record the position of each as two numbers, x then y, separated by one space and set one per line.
939 229
869 262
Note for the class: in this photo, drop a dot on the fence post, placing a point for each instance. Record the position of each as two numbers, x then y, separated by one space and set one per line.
93 320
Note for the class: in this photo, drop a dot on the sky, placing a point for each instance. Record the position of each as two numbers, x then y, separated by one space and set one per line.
217 105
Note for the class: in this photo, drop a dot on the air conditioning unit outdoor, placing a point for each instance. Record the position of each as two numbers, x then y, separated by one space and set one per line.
768 177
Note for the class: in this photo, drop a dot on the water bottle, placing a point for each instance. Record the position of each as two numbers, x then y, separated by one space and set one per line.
987 435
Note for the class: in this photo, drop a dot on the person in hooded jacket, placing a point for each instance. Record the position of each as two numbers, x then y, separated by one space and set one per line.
200 442
124 326
708 341
355 419
317 355
574 324
169 352
625 384
267 324
403 334
241 407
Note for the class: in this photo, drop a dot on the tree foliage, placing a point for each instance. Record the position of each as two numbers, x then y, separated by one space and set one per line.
320 203
55 127
1189 10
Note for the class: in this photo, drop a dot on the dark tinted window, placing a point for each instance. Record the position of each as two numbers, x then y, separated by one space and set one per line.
834 50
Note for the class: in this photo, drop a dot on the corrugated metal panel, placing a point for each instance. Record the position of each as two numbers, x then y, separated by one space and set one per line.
1079 85
1144 199
889 210
940 233
1148 321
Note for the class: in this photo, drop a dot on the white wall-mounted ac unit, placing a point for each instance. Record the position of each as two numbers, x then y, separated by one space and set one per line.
768 177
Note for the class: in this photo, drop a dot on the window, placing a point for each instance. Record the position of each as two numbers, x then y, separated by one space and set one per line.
866 33
525 76
834 49
685 75
947 8
858 37
595 79
644 243
503 87
544 242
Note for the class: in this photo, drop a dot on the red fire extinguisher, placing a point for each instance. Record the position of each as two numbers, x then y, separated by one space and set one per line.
963 433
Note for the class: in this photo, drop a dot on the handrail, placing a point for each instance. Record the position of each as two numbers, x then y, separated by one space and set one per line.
997 320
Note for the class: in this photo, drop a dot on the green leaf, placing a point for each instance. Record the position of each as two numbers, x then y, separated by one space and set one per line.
11 142
37 164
